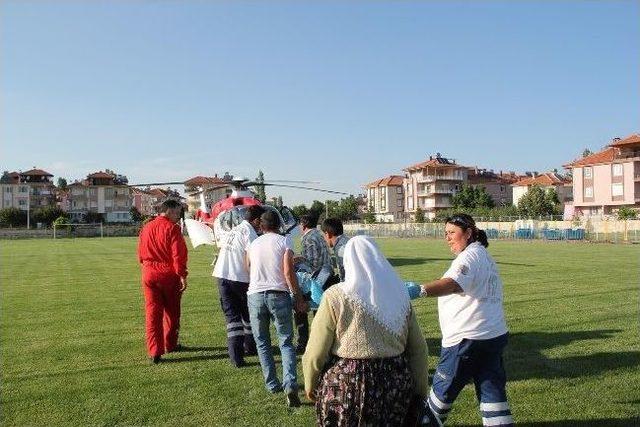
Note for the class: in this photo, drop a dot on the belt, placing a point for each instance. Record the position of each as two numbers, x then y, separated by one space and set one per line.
272 291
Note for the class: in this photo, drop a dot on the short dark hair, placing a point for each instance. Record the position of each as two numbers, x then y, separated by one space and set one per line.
332 226
170 204
253 212
309 221
269 221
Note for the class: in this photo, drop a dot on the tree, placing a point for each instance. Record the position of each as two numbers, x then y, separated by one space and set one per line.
348 209
536 202
93 217
369 217
62 183
135 214
317 208
482 199
299 210
47 214
12 217
465 198
586 152
625 212
419 215
261 194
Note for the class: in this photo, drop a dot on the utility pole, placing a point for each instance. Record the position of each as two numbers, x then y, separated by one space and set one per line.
28 205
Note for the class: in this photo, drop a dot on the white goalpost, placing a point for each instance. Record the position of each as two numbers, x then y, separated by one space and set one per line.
94 229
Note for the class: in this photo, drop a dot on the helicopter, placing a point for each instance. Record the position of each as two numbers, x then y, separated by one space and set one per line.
225 214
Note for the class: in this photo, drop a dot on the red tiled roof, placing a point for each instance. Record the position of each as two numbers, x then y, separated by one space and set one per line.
201 180
438 162
135 190
100 174
390 181
601 157
36 172
634 138
544 179
11 178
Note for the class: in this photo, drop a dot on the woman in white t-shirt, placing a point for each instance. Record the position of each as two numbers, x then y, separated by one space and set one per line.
474 332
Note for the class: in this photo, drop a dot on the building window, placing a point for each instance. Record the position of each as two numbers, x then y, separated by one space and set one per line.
502 188
399 190
617 169
23 189
617 189
22 202
399 203
588 192
588 172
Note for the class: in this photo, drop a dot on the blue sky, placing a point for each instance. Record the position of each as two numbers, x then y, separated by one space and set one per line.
336 92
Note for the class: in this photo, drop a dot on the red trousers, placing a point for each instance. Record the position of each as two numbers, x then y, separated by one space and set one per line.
162 311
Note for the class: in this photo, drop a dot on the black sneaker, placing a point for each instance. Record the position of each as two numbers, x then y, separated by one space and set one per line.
156 359
293 401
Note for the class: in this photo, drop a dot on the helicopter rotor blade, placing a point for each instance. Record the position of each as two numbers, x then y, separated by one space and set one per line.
305 188
155 184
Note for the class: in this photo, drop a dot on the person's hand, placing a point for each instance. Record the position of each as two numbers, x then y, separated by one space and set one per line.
311 395
183 284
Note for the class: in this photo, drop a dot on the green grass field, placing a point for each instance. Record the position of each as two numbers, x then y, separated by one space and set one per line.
73 351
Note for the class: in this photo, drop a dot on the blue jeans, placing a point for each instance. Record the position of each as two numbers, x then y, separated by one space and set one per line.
275 305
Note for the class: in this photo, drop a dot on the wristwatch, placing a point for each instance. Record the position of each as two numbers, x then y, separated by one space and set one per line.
423 292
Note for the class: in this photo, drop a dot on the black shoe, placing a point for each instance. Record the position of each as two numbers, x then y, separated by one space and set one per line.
156 359
239 364
300 349
293 401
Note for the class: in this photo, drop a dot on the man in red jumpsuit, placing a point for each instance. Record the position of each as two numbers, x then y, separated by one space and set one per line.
163 255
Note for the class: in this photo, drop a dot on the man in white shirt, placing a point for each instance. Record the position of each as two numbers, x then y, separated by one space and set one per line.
270 261
233 283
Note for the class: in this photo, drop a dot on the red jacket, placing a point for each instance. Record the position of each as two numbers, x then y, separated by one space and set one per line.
162 248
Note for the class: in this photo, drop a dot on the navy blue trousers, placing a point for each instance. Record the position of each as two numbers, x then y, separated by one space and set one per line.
233 299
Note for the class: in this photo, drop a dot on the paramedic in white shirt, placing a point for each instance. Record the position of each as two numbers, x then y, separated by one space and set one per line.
474 331
233 282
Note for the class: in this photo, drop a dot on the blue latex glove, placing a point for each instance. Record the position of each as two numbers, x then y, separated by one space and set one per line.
413 289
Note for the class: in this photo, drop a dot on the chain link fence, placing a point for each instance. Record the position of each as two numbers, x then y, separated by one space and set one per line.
591 230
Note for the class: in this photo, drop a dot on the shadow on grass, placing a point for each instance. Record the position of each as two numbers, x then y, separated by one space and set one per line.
187 349
195 358
525 358
611 422
518 264
398 262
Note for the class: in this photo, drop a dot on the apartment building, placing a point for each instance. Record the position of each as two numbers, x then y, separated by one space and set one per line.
104 193
213 187
28 190
386 198
497 185
547 180
430 185
148 200
605 181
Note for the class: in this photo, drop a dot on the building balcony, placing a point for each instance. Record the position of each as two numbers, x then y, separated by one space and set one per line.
434 178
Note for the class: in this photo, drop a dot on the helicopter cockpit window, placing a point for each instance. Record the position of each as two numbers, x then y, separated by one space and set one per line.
289 220
232 217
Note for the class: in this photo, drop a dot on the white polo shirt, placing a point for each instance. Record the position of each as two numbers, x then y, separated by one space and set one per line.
266 254
477 312
230 264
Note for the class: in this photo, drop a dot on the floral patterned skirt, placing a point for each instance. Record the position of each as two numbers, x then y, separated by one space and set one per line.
364 392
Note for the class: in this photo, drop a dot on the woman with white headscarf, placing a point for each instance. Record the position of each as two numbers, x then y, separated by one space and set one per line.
366 356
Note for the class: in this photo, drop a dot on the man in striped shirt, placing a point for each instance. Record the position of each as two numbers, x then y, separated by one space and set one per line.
316 253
